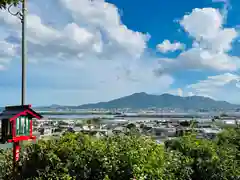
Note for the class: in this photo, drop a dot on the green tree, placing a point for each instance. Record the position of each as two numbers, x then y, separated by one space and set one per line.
131 126
211 160
230 138
79 156
4 3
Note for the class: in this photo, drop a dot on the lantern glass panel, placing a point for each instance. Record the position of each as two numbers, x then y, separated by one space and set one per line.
22 126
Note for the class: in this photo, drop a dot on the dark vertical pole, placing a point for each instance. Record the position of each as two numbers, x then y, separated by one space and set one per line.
16 145
24 57
24 50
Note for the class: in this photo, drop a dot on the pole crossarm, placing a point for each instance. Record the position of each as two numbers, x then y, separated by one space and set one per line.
18 14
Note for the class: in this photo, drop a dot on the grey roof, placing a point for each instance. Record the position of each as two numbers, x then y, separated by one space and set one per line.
119 128
11 111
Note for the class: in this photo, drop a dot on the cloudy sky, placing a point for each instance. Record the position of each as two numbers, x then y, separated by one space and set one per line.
82 51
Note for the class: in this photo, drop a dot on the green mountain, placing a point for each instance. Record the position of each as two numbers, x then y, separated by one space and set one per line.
143 100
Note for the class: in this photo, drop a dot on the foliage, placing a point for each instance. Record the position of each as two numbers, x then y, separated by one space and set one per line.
211 160
131 126
78 156
230 138
4 3
223 115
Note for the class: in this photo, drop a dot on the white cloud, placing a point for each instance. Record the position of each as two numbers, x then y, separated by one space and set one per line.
99 15
167 46
7 52
224 87
211 45
209 35
212 23
226 7
96 31
90 82
117 81
215 81
102 56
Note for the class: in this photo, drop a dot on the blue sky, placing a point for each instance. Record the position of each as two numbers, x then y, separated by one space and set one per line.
82 51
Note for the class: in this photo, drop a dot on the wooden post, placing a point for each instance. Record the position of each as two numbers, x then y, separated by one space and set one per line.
16 155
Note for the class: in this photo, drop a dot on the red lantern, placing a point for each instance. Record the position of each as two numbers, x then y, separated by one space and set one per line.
17 126
17 123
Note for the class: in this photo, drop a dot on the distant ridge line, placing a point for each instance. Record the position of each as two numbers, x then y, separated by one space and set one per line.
143 100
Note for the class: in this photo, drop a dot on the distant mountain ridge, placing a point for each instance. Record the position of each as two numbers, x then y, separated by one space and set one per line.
143 100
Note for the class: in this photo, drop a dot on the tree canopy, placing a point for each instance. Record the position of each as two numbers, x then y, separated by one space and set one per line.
122 157
4 3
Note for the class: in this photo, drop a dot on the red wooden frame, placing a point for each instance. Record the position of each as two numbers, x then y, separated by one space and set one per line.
21 138
16 138
24 113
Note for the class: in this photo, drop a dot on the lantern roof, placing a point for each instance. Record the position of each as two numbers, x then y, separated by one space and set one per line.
13 112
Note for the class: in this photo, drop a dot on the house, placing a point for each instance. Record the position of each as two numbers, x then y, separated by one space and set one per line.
119 130
204 125
164 131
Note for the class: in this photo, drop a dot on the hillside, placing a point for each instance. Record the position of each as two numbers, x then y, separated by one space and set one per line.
143 100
